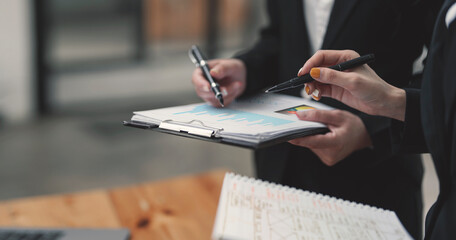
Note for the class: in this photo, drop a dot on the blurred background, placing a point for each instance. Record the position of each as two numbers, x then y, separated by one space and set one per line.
72 71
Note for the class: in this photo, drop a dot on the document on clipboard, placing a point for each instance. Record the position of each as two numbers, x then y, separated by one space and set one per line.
253 122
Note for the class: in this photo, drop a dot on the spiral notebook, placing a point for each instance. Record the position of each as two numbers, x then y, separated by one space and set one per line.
254 209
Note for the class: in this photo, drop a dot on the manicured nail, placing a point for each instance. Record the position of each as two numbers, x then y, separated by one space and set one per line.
224 92
316 98
206 89
315 72
307 89
299 72
316 95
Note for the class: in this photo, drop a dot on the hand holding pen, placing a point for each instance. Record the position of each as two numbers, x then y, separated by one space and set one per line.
302 79
360 88
230 74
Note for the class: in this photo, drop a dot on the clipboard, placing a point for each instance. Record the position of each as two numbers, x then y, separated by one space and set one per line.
238 143
255 122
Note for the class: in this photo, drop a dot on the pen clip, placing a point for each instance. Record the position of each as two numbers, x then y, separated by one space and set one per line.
192 58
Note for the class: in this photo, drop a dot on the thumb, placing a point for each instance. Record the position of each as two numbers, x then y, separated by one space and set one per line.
329 117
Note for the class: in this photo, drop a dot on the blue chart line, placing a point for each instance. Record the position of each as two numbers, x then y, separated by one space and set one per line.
229 114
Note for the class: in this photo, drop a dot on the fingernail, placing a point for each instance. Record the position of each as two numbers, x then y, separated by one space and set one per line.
224 92
206 89
316 95
299 72
315 72
315 98
214 71
307 89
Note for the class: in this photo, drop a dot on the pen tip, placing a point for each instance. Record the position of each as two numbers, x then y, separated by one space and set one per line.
221 101
267 91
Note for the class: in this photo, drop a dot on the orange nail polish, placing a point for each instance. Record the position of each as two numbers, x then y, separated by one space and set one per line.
307 89
316 98
316 95
315 72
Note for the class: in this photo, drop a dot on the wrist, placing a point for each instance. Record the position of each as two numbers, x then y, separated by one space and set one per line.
242 75
364 140
396 104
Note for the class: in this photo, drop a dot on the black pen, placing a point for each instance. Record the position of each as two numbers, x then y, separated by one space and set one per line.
299 81
197 57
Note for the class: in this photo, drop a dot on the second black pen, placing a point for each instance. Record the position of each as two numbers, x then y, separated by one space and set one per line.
299 81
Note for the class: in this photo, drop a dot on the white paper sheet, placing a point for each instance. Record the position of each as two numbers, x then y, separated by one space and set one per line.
253 209
254 118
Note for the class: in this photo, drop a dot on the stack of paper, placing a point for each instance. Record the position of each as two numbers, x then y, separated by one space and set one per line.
253 120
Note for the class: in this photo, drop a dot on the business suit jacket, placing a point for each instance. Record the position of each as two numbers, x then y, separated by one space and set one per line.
395 31
436 107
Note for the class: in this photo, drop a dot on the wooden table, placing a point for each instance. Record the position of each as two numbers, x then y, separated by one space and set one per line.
180 208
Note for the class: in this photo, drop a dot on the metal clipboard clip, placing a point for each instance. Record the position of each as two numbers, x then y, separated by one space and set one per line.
194 127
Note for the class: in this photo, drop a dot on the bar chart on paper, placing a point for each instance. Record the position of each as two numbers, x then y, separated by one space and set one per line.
225 114
250 122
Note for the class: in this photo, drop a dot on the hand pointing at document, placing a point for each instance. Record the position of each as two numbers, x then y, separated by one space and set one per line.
360 88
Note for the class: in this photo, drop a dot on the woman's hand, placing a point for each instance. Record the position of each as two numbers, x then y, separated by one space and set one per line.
229 73
360 87
347 134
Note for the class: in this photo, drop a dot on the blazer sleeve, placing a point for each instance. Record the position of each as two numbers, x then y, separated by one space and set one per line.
379 128
408 136
261 61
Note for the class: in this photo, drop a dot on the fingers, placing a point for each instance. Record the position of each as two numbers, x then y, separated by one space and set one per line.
318 141
219 70
315 66
200 83
202 86
203 90
232 90
318 90
314 90
198 79
346 80
209 97
214 62
328 117
328 155
229 73
325 58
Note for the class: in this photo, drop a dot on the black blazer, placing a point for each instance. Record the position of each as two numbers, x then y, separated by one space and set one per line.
386 28
395 31
437 131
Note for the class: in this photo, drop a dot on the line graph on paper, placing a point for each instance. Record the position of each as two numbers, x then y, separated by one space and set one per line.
226 114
